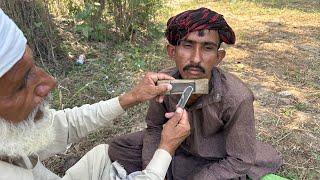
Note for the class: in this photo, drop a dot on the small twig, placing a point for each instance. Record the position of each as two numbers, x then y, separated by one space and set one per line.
80 90
283 137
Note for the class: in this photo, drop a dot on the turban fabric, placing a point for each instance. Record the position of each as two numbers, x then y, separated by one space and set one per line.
12 43
189 21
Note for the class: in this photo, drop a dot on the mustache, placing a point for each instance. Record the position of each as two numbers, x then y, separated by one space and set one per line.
197 66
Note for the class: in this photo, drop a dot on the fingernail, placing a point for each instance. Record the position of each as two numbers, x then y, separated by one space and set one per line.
169 87
179 110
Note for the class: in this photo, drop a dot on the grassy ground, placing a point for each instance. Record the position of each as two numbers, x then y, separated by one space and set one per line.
277 53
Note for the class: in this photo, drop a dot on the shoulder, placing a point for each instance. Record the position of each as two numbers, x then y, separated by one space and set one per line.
235 91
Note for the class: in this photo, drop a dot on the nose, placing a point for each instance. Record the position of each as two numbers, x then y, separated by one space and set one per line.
46 84
197 57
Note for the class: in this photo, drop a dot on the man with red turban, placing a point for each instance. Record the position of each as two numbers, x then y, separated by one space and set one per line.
222 143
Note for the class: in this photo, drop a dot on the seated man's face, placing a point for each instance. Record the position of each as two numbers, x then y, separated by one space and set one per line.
197 54
23 88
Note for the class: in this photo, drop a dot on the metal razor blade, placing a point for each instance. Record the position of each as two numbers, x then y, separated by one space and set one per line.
185 96
200 86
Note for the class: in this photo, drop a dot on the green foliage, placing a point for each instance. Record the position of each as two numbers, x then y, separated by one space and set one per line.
288 111
89 23
35 21
130 16
98 19
131 57
63 7
300 106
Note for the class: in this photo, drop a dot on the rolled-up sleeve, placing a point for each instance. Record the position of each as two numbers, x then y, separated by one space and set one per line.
72 124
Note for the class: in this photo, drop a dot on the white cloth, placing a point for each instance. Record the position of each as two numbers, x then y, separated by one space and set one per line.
156 169
70 126
12 43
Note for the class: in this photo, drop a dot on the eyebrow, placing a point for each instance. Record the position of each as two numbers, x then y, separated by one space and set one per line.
205 42
20 77
22 80
26 74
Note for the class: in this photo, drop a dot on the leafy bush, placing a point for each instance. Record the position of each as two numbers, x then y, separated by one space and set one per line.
130 16
35 21
89 23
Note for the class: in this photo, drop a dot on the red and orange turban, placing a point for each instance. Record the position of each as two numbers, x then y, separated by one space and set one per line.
189 21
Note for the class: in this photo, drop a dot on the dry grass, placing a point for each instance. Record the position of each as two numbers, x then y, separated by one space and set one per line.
277 53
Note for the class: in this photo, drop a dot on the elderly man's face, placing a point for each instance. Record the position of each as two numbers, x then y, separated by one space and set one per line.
197 54
23 88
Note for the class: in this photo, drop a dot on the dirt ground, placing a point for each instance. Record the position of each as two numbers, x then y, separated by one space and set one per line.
277 54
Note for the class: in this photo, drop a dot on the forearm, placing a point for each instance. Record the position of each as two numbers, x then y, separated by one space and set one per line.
72 124
83 120
128 100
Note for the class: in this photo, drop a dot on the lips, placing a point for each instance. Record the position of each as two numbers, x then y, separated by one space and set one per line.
194 71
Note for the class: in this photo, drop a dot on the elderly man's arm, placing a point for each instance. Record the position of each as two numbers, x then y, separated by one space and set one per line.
155 119
240 145
72 124
175 130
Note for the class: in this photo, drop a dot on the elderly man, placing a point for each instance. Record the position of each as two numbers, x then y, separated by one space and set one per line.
222 143
30 131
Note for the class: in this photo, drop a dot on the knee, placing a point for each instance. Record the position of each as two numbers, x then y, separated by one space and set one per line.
132 140
100 148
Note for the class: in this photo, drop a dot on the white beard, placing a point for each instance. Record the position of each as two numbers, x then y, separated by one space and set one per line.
26 137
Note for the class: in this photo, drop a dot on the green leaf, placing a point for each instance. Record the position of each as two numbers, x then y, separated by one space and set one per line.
38 24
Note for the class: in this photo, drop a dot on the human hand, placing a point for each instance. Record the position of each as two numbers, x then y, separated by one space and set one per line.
175 131
146 89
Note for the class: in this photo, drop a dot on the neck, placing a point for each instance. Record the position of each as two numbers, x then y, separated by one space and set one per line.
193 99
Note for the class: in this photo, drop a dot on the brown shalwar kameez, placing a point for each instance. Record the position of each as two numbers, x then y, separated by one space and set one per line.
222 144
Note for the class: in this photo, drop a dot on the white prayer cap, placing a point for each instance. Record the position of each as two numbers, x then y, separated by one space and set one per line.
12 43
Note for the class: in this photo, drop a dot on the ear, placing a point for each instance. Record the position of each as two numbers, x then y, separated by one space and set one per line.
221 54
170 50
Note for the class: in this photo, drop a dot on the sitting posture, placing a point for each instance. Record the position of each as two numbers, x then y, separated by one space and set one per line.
222 143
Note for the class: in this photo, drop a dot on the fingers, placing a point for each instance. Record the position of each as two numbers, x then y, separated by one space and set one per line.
174 120
160 98
169 115
184 121
162 88
163 76
158 76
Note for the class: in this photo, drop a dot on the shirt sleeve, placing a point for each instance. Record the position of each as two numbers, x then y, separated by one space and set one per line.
158 166
155 119
72 124
240 145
